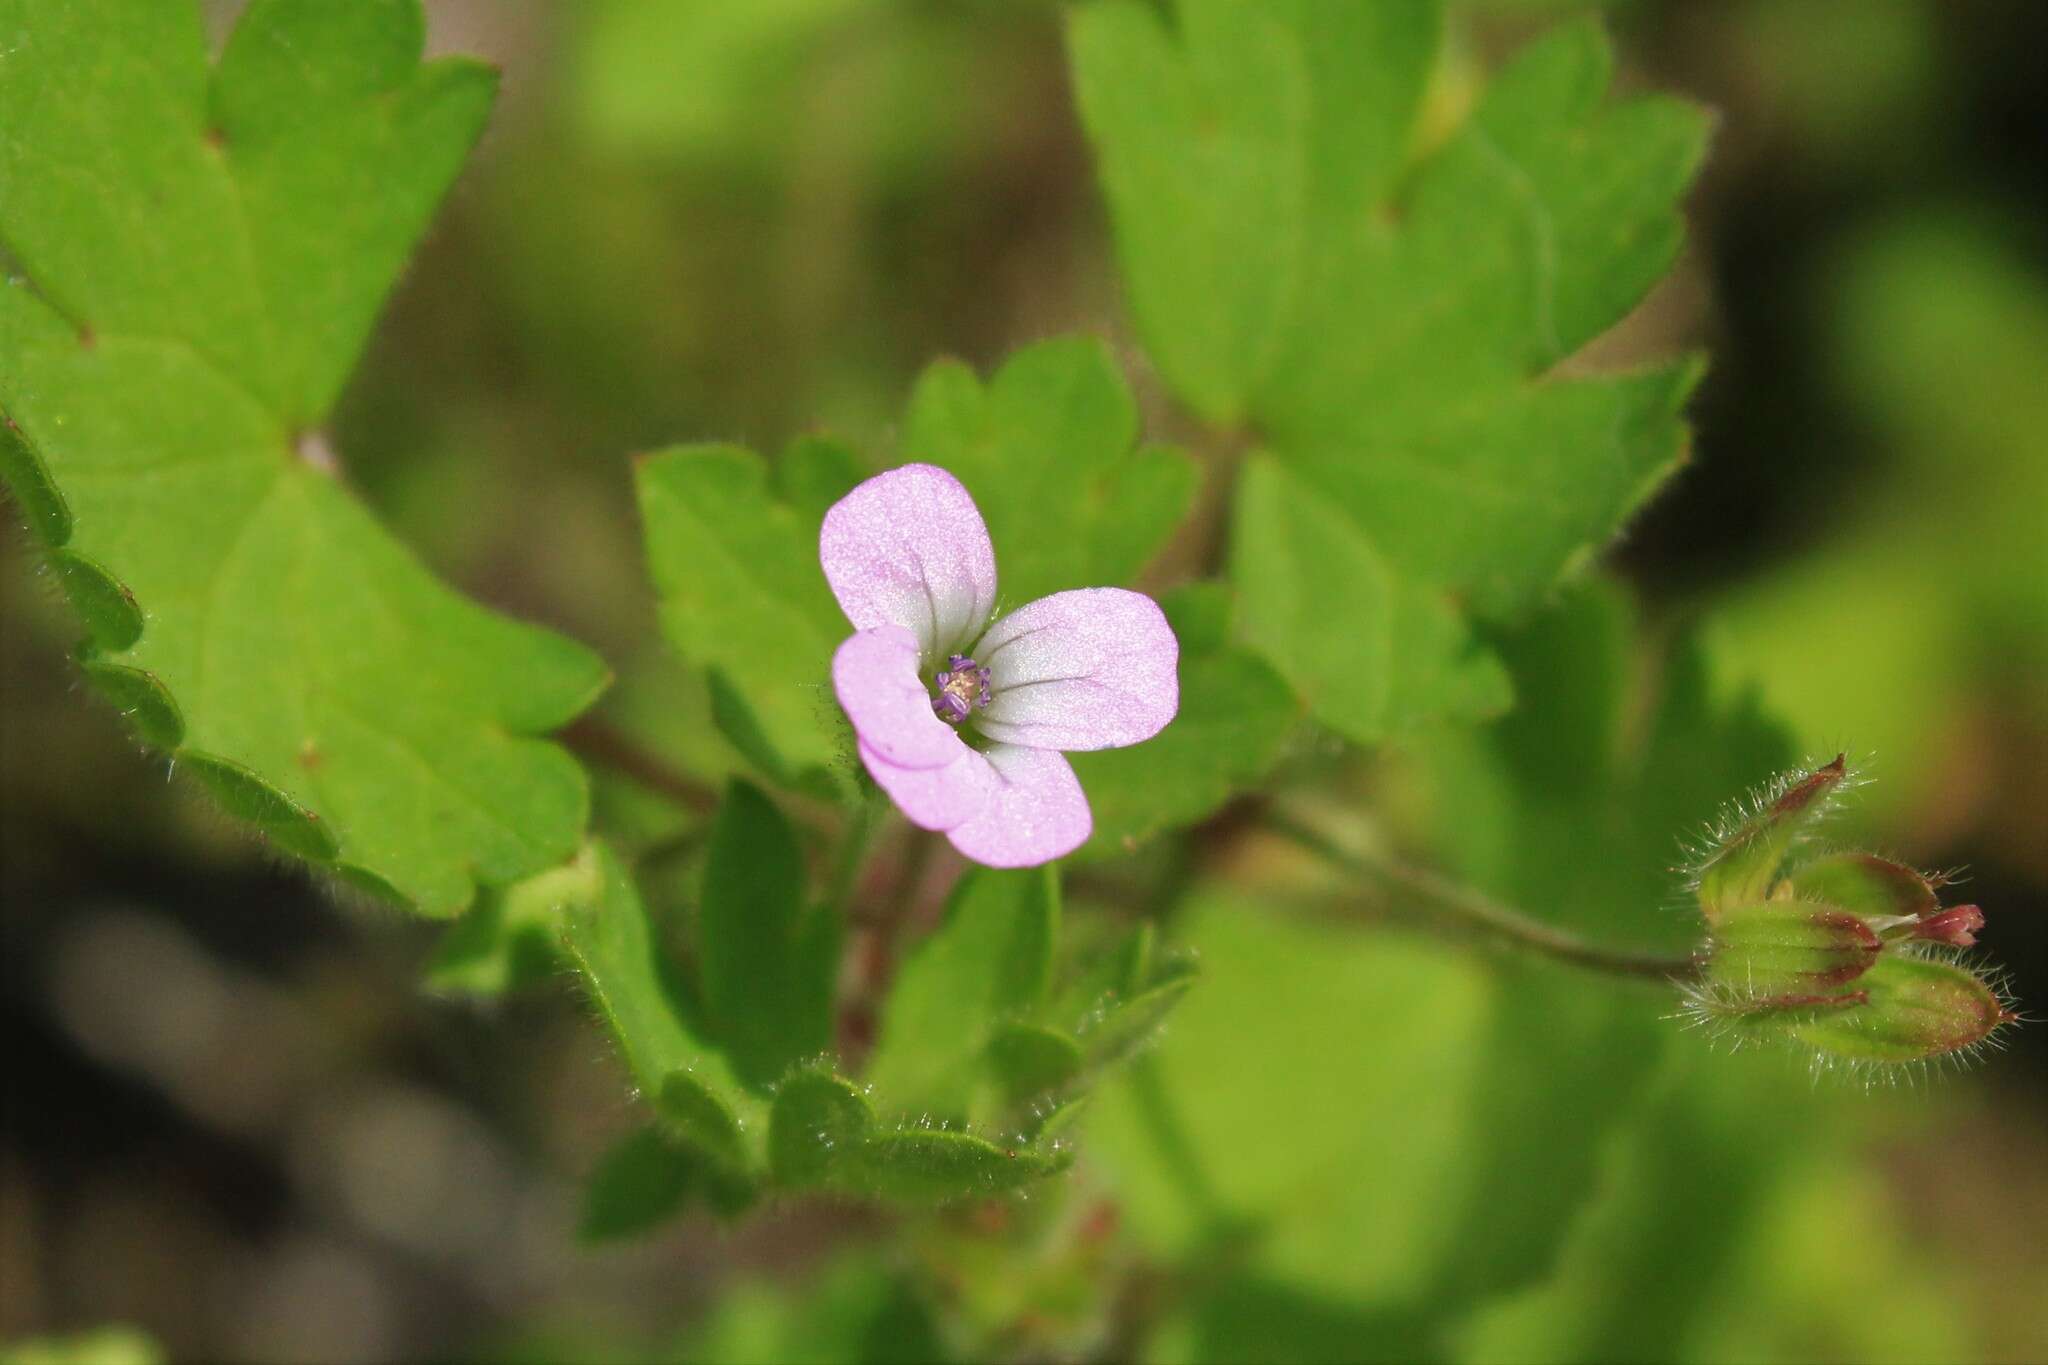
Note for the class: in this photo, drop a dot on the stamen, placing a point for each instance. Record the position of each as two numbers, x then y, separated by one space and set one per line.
960 689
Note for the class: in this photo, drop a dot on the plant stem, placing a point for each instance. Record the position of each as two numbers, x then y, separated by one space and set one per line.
597 742
853 850
1442 902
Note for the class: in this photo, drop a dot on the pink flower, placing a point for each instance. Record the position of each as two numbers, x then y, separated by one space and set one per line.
962 721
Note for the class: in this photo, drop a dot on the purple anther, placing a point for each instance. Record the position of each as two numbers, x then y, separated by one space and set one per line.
961 687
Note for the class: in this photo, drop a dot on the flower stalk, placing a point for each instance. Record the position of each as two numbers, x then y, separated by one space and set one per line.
1437 902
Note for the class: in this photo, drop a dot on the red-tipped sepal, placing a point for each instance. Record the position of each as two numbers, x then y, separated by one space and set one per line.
1742 860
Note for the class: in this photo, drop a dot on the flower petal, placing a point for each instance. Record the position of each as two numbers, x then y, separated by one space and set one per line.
1094 668
940 798
909 548
1034 812
874 673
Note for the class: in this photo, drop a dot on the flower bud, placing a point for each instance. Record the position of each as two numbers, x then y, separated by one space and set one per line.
1744 857
1788 948
1865 884
1891 898
1956 926
1826 952
1914 1008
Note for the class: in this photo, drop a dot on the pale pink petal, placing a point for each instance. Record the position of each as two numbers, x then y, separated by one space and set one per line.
1034 813
1094 668
938 798
874 672
908 548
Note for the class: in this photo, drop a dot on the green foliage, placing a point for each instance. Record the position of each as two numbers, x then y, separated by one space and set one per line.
204 257
1029 1060
1373 653
982 1024
645 1179
1048 448
1570 810
1407 1088
692 1087
1130 1019
1235 715
940 1166
815 472
768 961
817 1115
1369 274
511 936
858 1311
823 1133
1389 317
990 961
737 570
767 984
1751 1161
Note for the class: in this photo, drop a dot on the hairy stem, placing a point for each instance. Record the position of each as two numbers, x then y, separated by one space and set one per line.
851 857
1439 902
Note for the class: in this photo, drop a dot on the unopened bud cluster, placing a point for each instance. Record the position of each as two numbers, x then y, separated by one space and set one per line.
1844 953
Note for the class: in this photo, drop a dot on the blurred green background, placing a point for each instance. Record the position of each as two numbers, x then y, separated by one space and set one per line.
233 1120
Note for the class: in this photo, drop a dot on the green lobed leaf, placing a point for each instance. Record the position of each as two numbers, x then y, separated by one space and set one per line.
768 962
1235 715
1420 392
205 251
1198 144
1389 317
1048 449
1374 653
741 592
988 962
